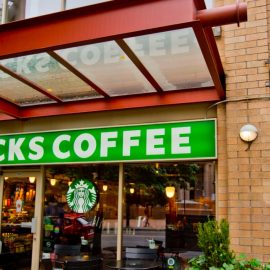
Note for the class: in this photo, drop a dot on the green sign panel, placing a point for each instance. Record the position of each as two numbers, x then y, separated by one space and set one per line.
81 196
160 141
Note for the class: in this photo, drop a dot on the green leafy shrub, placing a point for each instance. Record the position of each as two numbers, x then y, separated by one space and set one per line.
243 263
213 239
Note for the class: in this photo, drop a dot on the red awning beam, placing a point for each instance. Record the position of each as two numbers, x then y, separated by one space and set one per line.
223 15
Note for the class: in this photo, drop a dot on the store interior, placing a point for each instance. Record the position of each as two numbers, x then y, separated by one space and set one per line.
162 201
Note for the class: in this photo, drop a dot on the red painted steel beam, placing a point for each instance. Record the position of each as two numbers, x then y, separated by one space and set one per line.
9 108
128 102
97 23
209 59
214 49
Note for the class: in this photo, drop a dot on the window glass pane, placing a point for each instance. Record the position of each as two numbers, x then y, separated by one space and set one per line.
16 10
46 72
209 3
79 3
147 214
40 7
18 208
172 221
1 10
173 58
62 224
108 67
12 90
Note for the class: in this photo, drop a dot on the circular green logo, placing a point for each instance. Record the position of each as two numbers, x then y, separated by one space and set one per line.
81 195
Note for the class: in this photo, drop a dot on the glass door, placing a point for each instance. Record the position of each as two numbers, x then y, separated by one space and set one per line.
19 220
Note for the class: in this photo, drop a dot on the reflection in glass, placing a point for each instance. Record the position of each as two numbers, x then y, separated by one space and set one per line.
1 10
18 208
16 10
49 74
171 222
64 226
173 58
12 90
108 67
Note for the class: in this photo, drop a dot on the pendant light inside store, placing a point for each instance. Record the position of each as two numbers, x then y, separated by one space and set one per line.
32 179
170 191
105 187
52 181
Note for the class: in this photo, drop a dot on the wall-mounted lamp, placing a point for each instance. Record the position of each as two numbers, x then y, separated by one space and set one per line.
32 179
131 190
170 191
105 187
53 181
248 133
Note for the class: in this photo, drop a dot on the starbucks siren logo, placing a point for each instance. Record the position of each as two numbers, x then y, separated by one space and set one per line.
81 196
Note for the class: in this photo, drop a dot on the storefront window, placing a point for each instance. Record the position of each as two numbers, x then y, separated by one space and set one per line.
172 221
16 226
148 213
69 218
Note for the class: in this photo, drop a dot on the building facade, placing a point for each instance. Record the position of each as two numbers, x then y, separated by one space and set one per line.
241 170
243 173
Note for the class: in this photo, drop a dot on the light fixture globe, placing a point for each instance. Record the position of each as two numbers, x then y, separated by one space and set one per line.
248 133
170 191
52 181
32 179
105 187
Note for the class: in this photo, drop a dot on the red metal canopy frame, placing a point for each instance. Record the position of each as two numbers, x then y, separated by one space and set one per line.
117 20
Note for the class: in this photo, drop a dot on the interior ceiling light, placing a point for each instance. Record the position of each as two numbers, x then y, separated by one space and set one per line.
105 188
53 181
32 179
170 191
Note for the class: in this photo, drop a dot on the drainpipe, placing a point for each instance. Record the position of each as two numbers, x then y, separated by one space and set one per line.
223 15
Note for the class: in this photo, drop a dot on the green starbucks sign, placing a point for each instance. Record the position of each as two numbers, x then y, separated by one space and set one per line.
81 196
147 142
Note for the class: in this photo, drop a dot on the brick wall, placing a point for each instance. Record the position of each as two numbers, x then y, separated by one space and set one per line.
243 176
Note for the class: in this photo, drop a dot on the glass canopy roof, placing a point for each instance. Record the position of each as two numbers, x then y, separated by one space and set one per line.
173 58
153 59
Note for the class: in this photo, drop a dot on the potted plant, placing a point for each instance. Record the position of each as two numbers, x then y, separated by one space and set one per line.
213 240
